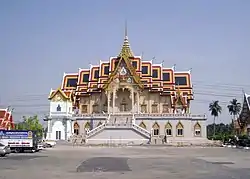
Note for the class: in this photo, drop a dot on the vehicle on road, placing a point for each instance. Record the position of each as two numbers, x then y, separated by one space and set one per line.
4 150
40 147
19 140
49 143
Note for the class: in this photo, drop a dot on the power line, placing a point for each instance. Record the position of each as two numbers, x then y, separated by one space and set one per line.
196 84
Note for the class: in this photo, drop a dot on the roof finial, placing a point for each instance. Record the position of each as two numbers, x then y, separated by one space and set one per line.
126 30
126 50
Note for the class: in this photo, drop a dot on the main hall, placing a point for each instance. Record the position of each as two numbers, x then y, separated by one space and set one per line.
125 100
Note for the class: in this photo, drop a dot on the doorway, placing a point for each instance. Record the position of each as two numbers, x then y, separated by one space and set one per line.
58 135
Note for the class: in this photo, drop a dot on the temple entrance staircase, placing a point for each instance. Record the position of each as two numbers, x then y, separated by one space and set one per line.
119 121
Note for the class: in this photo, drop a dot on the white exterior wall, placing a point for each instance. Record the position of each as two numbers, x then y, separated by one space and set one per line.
66 108
56 117
189 133
58 126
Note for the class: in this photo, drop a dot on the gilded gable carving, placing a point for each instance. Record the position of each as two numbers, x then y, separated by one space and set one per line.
58 98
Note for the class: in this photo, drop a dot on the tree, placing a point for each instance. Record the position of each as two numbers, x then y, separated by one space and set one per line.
31 123
234 108
215 110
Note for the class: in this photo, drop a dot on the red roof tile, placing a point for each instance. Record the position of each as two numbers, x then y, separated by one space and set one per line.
6 119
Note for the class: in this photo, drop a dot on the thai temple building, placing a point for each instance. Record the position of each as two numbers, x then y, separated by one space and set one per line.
6 119
125 100
242 124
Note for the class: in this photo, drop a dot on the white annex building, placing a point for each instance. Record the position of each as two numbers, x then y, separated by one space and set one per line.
126 100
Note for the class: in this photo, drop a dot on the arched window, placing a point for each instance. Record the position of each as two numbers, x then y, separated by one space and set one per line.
76 128
58 108
156 129
168 129
143 125
179 129
197 130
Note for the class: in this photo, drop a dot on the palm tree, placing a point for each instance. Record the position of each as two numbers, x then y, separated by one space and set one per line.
234 109
215 110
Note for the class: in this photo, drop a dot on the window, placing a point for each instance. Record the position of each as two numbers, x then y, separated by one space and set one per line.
96 75
84 109
58 135
155 74
154 108
86 78
58 108
76 128
197 130
156 129
76 131
168 128
165 108
179 132
106 70
166 77
144 69
144 108
169 132
197 133
181 80
156 132
71 82
134 64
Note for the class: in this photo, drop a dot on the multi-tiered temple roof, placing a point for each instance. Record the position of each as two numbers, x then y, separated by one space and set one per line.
146 74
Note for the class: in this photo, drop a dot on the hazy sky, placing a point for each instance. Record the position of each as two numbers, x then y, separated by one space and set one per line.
40 40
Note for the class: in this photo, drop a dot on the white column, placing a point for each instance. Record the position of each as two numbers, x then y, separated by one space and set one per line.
138 103
49 129
69 129
108 102
133 100
114 100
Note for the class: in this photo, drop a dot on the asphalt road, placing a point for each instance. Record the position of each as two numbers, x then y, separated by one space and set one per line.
66 162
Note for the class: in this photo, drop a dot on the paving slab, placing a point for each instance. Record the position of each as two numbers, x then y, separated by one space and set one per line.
65 161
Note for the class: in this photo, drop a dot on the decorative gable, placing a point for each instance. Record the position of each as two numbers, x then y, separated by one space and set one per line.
124 70
59 96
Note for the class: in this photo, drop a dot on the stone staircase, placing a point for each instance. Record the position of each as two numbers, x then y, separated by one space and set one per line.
141 130
96 130
119 121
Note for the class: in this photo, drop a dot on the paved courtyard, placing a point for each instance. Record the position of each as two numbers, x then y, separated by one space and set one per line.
66 162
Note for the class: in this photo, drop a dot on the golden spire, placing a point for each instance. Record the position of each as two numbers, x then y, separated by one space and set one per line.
126 50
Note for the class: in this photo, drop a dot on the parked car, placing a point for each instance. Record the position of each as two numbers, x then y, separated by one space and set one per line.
49 143
40 147
4 150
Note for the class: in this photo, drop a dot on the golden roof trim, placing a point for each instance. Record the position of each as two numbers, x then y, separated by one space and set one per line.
53 94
